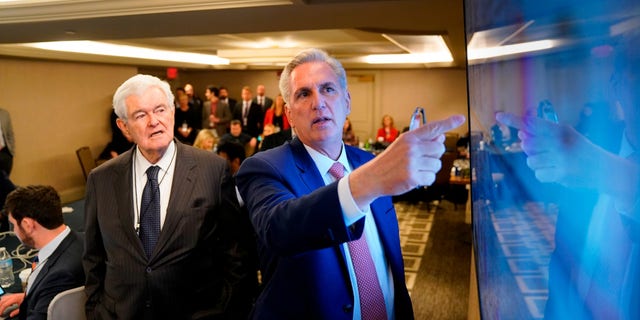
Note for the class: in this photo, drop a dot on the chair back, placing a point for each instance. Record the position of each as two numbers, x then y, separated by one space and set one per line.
87 162
68 305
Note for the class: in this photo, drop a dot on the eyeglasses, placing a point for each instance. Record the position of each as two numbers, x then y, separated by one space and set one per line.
418 119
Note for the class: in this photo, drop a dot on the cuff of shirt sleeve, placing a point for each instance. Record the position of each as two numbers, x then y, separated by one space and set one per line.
350 210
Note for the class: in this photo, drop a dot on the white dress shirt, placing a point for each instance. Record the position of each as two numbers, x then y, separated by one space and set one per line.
351 214
167 166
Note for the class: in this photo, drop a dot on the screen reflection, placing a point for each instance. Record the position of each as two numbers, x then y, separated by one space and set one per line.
554 134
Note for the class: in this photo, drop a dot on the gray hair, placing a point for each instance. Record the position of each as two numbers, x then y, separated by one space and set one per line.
310 55
136 86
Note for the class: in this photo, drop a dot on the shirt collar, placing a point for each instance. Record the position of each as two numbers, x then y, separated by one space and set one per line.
323 163
50 247
163 163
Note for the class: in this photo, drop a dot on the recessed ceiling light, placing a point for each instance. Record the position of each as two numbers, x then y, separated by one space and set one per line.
110 49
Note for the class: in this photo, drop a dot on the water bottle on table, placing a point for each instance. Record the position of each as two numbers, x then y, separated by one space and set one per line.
6 268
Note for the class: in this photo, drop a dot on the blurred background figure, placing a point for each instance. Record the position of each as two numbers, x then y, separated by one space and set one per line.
7 142
236 135
223 95
187 121
261 99
206 140
348 135
601 124
276 116
194 101
118 144
216 114
268 130
388 133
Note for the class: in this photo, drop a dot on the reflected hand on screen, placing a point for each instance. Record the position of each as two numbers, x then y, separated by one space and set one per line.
559 153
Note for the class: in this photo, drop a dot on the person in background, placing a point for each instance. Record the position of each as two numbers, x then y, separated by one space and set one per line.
187 121
276 116
249 113
194 101
277 139
261 99
7 142
388 133
268 130
156 219
179 92
118 144
311 223
348 135
223 95
36 214
245 246
237 136
216 114
206 140
6 186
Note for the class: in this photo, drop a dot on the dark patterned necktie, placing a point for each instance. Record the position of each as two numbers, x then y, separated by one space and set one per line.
150 211
372 304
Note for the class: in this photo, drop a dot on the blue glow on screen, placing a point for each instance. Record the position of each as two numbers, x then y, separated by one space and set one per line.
556 182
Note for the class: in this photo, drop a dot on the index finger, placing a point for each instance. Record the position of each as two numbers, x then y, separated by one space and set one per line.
528 123
510 120
436 128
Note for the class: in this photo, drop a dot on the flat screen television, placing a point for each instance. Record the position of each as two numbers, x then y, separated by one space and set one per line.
554 103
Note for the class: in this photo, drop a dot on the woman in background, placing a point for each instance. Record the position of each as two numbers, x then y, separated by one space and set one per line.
348 136
205 140
388 133
275 115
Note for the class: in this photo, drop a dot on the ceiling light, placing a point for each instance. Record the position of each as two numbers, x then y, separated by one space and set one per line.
498 51
409 58
420 48
109 49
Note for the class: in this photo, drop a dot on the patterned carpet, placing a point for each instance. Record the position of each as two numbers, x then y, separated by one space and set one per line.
436 245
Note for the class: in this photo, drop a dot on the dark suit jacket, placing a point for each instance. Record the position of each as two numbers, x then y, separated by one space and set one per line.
267 103
222 112
254 118
62 271
7 131
300 229
186 274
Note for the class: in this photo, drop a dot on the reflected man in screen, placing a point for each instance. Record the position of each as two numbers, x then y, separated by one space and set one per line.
322 210
594 271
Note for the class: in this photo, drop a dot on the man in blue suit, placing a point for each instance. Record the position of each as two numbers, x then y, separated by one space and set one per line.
307 218
36 215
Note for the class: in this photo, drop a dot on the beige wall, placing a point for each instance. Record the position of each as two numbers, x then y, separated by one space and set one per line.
441 92
57 107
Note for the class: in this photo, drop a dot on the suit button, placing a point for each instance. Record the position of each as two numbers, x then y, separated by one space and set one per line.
148 269
347 308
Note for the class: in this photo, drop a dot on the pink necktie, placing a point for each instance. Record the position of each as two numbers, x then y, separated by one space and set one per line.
372 304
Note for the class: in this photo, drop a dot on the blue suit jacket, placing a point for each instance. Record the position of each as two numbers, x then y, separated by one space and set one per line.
300 228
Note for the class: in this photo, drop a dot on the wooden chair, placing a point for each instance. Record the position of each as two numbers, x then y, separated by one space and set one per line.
87 162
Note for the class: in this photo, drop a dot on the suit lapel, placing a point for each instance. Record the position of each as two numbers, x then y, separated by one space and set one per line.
124 181
181 188
51 261
307 169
